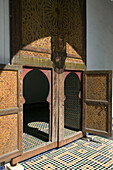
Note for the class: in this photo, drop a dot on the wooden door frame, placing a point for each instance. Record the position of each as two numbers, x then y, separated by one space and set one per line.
54 116
61 139
50 84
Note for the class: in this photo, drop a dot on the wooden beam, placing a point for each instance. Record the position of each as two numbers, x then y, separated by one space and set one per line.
70 139
10 155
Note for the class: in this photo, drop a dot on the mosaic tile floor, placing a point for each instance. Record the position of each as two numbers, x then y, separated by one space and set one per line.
29 141
44 127
78 155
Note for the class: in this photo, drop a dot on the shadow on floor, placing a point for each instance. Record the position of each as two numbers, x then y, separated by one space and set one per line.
36 112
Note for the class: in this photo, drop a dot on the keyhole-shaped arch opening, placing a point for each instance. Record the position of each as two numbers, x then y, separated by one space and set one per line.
35 87
36 108
72 108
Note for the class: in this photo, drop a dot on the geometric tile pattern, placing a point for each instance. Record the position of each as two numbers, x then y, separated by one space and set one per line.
101 159
44 127
68 132
30 141
95 147
78 155
67 158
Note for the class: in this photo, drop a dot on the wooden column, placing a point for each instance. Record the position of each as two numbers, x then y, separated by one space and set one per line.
61 107
55 106
58 106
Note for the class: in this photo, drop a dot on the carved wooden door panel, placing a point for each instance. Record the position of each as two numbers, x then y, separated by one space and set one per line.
97 102
11 116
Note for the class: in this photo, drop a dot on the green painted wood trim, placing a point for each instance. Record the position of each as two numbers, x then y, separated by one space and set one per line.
75 66
32 61
42 62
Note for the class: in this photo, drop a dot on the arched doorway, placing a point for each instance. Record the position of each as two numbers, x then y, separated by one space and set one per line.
36 107
72 102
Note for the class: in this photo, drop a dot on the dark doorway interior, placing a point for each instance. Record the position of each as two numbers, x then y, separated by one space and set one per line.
72 103
36 107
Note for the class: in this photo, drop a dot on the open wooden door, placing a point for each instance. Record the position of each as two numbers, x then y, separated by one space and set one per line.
97 102
11 116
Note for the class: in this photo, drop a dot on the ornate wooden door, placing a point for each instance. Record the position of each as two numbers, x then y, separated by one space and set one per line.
97 102
11 116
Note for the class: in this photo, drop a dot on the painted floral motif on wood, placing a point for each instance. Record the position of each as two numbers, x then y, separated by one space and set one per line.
96 89
97 117
8 133
8 89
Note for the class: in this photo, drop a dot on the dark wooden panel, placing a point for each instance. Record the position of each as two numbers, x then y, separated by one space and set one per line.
15 27
39 26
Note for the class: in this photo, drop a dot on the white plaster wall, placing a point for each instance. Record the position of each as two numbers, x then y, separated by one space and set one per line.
100 35
4 32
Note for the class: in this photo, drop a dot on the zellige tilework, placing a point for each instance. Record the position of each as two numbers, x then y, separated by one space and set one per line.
78 155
